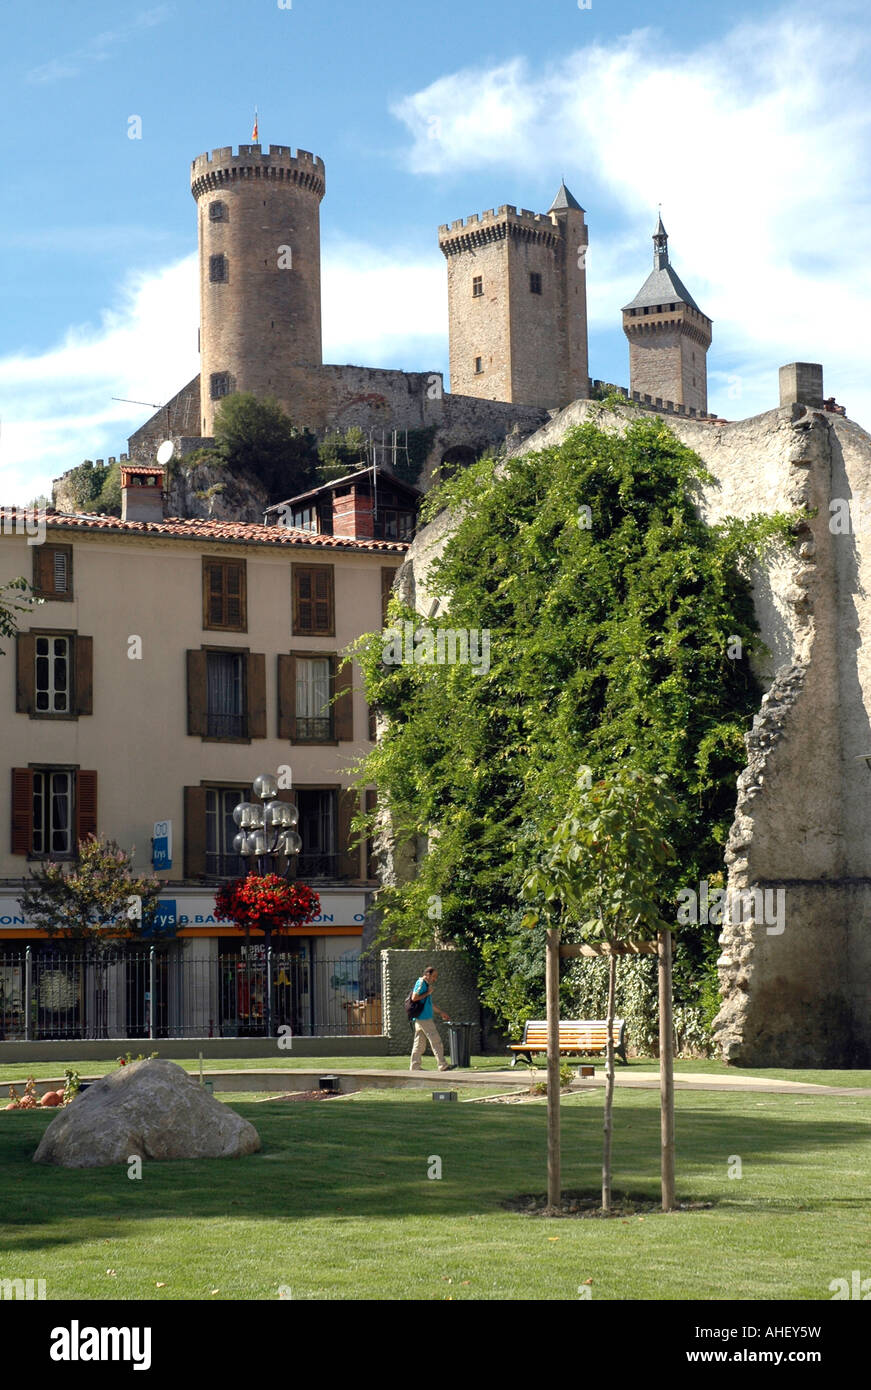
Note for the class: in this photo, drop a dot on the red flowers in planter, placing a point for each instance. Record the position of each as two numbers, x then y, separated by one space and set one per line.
266 902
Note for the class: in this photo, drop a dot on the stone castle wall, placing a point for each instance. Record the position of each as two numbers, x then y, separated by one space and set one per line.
802 827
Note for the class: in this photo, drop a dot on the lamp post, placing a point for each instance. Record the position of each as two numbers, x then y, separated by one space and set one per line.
267 833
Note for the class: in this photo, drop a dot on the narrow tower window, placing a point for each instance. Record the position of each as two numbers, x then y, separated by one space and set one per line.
479 364
477 286
218 269
534 282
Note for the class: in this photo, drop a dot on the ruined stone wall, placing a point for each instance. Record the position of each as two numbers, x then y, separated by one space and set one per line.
795 990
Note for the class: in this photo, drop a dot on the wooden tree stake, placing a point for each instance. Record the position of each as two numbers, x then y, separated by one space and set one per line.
666 1071
553 1063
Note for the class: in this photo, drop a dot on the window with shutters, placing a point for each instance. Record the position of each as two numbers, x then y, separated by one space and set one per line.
313 607
318 830
53 572
225 596
387 578
52 675
218 270
222 861
53 817
314 713
225 695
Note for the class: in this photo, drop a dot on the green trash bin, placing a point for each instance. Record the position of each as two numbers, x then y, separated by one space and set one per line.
460 1043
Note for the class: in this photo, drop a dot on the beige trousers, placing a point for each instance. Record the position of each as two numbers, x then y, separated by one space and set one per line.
425 1029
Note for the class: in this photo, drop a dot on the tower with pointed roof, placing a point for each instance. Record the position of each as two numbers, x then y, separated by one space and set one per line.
517 303
668 334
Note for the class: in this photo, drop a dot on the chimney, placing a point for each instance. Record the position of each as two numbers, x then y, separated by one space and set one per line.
802 382
141 493
352 513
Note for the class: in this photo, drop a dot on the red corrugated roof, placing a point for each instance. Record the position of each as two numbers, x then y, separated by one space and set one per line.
234 532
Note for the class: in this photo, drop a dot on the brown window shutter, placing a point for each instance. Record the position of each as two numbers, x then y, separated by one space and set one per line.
323 601
194 832
349 852
234 578
371 862
196 664
343 709
256 694
86 804
84 669
214 595
25 673
287 695
43 569
313 606
387 578
303 610
22 810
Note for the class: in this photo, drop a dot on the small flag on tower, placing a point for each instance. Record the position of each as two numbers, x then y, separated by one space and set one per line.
255 134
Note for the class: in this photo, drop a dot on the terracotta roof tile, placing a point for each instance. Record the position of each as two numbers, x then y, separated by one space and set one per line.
233 532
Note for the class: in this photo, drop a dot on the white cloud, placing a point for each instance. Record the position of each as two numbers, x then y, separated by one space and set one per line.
98 49
756 146
382 310
56 407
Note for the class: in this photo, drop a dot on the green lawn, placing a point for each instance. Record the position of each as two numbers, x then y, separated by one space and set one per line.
338 1205
19 1071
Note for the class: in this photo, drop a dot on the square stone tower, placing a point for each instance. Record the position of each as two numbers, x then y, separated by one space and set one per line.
669 336
517 303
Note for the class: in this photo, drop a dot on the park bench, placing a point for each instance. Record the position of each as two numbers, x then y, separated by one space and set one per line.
575 1037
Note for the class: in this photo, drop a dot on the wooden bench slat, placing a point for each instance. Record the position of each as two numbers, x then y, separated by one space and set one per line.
575 1035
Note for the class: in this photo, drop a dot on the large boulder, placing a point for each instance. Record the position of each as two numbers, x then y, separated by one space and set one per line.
149 1109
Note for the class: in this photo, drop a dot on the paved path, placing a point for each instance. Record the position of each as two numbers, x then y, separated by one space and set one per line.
282 1079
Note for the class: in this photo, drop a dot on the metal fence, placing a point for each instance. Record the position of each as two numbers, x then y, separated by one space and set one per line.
160 992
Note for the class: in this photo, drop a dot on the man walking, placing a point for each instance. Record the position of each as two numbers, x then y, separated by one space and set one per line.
424 1025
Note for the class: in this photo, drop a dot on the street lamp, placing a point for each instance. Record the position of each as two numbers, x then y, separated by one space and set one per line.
267 829
267 833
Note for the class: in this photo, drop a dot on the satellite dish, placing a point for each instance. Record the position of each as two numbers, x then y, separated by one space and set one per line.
166 451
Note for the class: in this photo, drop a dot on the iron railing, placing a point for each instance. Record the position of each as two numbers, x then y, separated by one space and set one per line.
167 992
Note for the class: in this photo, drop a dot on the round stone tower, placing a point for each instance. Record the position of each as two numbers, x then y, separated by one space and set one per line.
260 269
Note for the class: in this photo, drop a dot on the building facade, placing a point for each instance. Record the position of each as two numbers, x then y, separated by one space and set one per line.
169 663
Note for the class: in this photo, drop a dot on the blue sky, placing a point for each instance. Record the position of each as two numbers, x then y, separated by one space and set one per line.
749 122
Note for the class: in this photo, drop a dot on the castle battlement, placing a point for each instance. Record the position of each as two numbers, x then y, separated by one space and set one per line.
496 225
220 166
506 213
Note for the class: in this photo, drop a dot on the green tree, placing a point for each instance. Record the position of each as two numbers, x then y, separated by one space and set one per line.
256 436
600 876
90 900
11 605
611 609
341 453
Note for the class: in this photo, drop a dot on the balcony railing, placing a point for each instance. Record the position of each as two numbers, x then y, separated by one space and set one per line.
225 725
307 866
